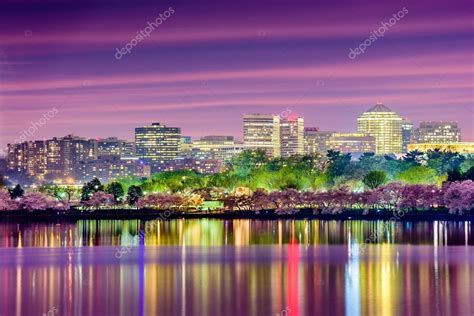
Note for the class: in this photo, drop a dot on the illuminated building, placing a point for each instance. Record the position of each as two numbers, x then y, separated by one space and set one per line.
437 133
186 144
221 148
462 148
204 165
109 168
315 141
262 131
112 146
157 143
385 125
352 142
407 129
52 159
292 136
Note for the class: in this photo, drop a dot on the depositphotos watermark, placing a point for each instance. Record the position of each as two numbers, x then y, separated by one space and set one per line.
377 33
142 34
30 131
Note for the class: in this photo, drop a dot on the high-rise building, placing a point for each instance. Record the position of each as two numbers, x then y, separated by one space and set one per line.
385 125
437 133
262 131
355 143
315 141
221 148
292 136
52 159
407 128
156 143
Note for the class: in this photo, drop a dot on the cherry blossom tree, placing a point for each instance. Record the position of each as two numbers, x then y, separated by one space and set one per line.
6 203
99 199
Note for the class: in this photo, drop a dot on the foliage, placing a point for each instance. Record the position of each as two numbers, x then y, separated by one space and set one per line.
90 188
99 199
116 189
459 196
16 192
134 194
418 175
374 179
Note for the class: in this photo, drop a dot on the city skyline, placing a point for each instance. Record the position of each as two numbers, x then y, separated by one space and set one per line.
203 72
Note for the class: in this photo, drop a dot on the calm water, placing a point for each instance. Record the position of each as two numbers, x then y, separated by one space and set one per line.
238 267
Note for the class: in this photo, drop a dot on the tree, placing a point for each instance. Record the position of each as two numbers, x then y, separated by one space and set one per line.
414 157
116 189
247 161
16 192
90 188
375 178
99 199
2 181
338 163
6 203
134 194
418 175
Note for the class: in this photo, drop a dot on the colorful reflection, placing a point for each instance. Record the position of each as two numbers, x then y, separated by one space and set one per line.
210 232
258 280
241 267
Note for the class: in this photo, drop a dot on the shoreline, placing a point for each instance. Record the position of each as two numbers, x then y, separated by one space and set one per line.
262 215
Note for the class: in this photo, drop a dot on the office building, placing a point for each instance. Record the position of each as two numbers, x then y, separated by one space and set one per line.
355 143
437 133
292 136
407 130
262 131
462 147
385 125
221 148
315 141
156 143
112 146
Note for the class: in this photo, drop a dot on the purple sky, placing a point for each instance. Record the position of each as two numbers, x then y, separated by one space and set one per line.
212 61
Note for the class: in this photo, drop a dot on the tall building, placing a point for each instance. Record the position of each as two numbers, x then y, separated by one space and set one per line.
407 129
315 141
437 133
355 143
385 125
262 131
292 136
156 143
52 159
221 148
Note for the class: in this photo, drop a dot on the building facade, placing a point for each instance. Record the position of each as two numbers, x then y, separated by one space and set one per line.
156 143
462 148
355 143
385 125
222 148
110 168
262 131
292 136
316 141
437 133
112 146
407 131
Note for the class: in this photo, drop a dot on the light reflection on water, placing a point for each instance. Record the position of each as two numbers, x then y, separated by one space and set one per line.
240 267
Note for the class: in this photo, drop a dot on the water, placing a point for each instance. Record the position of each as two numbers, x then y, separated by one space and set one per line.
238 267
